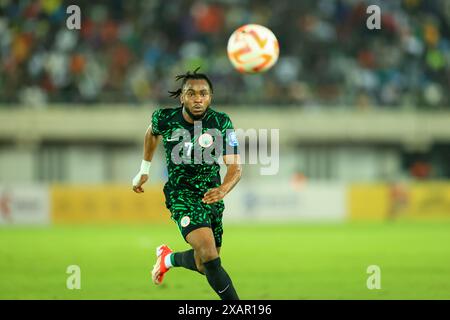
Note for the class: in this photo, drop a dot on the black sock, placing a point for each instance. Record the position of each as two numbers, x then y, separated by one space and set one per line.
219 280
185 259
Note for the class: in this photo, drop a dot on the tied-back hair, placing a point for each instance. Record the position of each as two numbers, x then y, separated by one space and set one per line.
188 76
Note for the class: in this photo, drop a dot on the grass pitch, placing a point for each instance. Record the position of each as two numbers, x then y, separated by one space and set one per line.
296 261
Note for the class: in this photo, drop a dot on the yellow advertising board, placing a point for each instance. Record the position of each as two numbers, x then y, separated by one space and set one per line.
119 204
107 204
368 202
427 201
420 200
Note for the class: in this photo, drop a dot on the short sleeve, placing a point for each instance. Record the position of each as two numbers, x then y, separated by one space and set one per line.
230 141
156 130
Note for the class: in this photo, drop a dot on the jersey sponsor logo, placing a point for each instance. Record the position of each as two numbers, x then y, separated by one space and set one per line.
232 139
205 140
185 221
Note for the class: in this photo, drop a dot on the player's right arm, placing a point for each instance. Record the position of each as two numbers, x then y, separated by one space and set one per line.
151 141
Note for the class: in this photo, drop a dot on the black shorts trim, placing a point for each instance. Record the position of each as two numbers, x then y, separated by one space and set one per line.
185 231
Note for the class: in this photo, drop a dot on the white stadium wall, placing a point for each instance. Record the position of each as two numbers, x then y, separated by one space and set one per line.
312 202
102 146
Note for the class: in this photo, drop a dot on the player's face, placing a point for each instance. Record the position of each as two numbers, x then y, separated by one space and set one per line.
196 97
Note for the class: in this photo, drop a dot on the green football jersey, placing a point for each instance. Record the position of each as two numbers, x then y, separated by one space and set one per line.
194 150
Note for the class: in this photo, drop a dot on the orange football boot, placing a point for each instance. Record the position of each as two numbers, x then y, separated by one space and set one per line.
159 269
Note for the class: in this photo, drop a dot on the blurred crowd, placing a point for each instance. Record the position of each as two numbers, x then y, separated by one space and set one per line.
130 51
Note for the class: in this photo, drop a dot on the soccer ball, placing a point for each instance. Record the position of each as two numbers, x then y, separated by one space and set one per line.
253 48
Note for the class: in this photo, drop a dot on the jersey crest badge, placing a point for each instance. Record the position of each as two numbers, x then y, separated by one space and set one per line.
185 221
205 140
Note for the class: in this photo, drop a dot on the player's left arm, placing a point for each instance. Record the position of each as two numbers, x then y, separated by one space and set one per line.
232 177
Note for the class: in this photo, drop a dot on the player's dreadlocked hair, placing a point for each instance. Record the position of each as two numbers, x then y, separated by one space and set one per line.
187 76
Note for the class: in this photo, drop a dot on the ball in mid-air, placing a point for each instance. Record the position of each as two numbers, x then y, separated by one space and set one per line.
253 48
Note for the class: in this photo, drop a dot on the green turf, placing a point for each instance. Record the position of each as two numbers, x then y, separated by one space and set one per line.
265 262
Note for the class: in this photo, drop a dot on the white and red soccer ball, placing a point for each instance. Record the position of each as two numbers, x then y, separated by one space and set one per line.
253 48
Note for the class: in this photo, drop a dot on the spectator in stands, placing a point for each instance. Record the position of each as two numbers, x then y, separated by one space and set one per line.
128 50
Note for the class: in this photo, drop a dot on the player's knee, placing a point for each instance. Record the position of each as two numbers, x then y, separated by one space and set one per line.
200 268
207 254
198 262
